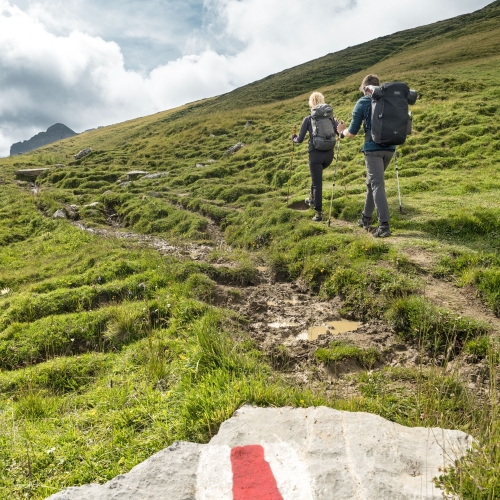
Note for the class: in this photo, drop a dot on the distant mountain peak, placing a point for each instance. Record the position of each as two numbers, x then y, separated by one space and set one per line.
54 133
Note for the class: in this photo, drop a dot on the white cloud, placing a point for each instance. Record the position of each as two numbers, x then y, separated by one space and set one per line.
52 70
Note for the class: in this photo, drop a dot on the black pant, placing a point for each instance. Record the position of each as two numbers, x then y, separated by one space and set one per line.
318 160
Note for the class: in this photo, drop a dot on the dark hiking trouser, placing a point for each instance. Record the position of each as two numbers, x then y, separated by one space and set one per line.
376 163
318 160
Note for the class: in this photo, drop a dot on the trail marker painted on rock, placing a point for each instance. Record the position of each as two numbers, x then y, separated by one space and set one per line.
252 475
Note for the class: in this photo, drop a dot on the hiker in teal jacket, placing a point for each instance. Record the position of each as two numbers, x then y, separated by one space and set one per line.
377 158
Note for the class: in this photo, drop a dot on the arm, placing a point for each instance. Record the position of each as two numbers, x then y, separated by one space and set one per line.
357 119
303 131
343 132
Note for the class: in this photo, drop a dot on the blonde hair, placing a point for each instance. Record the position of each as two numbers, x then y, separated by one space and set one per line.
316 98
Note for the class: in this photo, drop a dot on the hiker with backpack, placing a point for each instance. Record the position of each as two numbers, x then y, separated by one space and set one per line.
383 111
321 126
377 158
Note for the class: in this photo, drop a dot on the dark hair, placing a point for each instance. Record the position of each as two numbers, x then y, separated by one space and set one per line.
369 80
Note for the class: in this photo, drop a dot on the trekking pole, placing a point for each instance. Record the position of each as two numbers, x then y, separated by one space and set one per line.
294 130
334 179
344 179
397 178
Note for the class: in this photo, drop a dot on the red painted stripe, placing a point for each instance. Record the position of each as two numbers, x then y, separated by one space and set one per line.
252 476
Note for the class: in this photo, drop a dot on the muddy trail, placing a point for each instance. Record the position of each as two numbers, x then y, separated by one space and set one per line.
288 322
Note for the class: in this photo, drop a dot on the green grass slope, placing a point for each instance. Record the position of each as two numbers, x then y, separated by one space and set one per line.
110 351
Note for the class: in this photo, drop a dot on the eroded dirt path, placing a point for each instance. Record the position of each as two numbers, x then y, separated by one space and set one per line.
460 300
280 315
191 250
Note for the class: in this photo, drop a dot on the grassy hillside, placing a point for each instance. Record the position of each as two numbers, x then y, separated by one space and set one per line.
118 339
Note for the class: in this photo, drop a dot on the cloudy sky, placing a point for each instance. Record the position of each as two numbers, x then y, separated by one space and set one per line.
87 63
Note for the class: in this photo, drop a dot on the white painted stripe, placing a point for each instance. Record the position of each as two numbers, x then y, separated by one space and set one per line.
214 480
289 471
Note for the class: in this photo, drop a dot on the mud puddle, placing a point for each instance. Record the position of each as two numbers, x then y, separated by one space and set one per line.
332 327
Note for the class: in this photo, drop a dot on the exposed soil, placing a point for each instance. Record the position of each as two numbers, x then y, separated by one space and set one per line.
191 250
279 316
461 300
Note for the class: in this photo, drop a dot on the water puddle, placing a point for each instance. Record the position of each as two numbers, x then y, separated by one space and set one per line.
315 331
281 324
343 326
332 327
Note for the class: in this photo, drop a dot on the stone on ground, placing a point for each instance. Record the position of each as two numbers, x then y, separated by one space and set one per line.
293 454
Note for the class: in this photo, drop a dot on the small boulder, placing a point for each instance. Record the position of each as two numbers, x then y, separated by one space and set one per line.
156 175
59 214
31 172
234 148
134 174
82 153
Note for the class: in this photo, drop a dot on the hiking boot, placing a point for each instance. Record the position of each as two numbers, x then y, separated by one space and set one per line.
365 222
382 231
309 202
317 217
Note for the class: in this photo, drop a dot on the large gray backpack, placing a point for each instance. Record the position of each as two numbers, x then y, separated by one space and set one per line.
391 121
323 127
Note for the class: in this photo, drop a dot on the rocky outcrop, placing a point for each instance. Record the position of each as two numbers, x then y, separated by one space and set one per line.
82 153
234 149
31 173
293 454
54 133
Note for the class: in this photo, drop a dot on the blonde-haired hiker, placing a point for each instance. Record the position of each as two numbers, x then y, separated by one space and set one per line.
322 129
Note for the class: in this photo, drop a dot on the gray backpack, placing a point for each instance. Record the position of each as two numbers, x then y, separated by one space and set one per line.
323 127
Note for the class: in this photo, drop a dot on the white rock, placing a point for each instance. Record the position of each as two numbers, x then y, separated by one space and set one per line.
59 214
156 175
234 148
313 453
82 153
135 173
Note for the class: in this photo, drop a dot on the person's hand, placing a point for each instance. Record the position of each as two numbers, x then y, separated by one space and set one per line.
341 126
